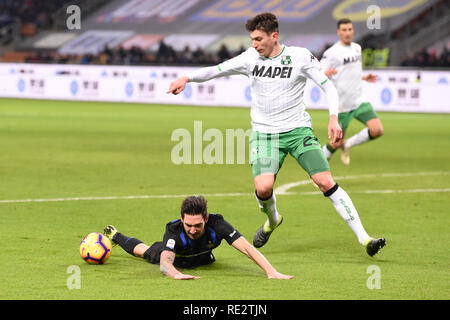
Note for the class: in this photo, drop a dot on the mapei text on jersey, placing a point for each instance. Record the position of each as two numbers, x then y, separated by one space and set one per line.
272 72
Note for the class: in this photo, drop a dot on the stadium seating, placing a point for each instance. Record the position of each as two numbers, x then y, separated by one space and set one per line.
139 31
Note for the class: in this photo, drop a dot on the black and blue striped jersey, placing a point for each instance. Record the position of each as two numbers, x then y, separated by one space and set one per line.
191 253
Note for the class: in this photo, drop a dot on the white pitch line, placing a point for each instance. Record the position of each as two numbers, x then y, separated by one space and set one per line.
373 191
282 190
162 196
173 196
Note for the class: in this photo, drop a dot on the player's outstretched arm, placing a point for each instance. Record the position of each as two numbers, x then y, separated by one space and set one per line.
246 248
166 266
178 85
200 75
233 66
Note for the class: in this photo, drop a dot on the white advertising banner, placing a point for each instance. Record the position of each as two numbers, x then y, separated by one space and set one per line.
396 90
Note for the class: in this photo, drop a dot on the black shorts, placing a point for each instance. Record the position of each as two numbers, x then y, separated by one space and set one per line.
153 255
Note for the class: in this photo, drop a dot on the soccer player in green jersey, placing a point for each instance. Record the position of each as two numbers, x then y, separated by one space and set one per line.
342 63
280 123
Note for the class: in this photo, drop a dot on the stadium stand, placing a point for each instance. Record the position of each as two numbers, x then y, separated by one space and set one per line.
29 16
199 32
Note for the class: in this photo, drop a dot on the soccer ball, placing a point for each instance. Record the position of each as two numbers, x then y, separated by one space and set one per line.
95 248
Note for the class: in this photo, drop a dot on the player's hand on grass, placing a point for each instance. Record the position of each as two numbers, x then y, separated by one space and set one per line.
178 85
334 129
181 276
277 275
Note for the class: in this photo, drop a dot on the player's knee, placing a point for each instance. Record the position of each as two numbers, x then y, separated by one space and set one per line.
264 192
140 249
324 181
375 128
376 132
264 185
264 189
324 186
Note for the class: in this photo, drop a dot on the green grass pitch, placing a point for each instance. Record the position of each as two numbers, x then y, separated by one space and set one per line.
65 150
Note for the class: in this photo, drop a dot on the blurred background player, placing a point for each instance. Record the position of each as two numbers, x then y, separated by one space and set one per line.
342 63
280 123
188 242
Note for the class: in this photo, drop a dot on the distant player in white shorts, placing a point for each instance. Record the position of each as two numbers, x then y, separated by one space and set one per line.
342 63
280 123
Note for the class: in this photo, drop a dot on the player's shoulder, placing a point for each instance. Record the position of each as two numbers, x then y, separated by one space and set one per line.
334 48
216 221
250 53
356 46
215 217
174 225
300 54
295 50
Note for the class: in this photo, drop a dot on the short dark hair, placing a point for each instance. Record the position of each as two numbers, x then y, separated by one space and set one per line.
194 205
266 21
343 21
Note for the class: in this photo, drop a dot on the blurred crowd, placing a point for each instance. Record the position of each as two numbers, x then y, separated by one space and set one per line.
428 59
166 55
32 15
137 56
37 12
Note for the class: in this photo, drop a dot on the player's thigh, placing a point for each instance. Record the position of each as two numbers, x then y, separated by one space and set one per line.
313 161
367 115
307 150
365 112
266 154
